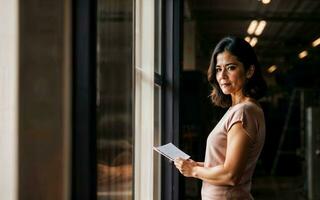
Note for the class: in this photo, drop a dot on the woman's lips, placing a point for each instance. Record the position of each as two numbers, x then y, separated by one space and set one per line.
225 85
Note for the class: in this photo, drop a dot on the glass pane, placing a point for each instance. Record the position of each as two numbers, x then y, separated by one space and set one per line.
114 99
157 142
158 30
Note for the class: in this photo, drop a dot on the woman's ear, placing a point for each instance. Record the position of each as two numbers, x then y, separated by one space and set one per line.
250 71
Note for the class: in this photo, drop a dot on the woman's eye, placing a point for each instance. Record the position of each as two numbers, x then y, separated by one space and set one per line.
230 68
218 69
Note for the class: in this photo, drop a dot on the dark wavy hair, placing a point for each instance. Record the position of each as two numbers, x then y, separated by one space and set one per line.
255 87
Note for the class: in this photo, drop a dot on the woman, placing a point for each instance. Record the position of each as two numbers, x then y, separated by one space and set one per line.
234 145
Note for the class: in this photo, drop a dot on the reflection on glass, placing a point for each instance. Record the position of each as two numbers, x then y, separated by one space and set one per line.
157 142
114 100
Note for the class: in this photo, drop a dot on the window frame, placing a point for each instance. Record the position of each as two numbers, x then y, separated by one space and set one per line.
172 57
84 172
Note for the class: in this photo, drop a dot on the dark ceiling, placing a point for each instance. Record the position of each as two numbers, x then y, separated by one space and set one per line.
292 25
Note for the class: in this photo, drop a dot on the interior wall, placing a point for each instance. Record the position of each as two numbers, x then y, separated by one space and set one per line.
44 99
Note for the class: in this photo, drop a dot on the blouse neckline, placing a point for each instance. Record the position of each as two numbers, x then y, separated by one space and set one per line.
246 102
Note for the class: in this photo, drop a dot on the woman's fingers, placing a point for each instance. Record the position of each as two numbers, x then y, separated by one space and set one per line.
179 162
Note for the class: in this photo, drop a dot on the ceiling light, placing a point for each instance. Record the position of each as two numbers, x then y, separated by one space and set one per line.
252 27
303 54
247 39
272 69
266 1
316 42
253 41
260 27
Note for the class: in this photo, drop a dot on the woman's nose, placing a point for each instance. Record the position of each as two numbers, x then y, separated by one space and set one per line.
223 73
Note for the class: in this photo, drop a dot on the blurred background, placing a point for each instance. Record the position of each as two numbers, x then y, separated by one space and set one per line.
286 37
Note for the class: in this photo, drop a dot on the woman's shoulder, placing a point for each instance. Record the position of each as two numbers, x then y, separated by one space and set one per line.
249 107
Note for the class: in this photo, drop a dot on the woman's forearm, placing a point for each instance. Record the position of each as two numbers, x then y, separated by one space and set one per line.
200 164
215 175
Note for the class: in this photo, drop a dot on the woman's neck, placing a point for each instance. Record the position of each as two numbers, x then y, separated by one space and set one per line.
236 99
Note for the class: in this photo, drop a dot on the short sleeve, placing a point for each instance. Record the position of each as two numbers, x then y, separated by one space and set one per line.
246 115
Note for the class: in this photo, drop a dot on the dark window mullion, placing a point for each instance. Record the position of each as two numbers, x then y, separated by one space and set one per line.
158 79
171 46
84 103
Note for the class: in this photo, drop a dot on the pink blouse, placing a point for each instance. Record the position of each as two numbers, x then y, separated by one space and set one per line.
252 118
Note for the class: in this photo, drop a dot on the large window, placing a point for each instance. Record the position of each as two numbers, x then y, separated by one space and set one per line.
131 91
128 99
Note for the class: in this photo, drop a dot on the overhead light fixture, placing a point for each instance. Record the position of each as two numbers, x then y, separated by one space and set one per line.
252 27
253 41
266 1
316 42
303 54
247 39
272 69
260 27
256 27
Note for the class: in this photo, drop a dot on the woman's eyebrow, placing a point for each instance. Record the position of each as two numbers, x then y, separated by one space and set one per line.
231 63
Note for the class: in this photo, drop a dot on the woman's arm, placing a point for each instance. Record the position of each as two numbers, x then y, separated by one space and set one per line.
200 164
231 171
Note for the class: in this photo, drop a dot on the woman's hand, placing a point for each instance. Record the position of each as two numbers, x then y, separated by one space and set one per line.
186 167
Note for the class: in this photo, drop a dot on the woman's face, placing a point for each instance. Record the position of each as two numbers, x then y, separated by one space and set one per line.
230 73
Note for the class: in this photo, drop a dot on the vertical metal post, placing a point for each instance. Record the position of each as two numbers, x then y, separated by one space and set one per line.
313 152
302 121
